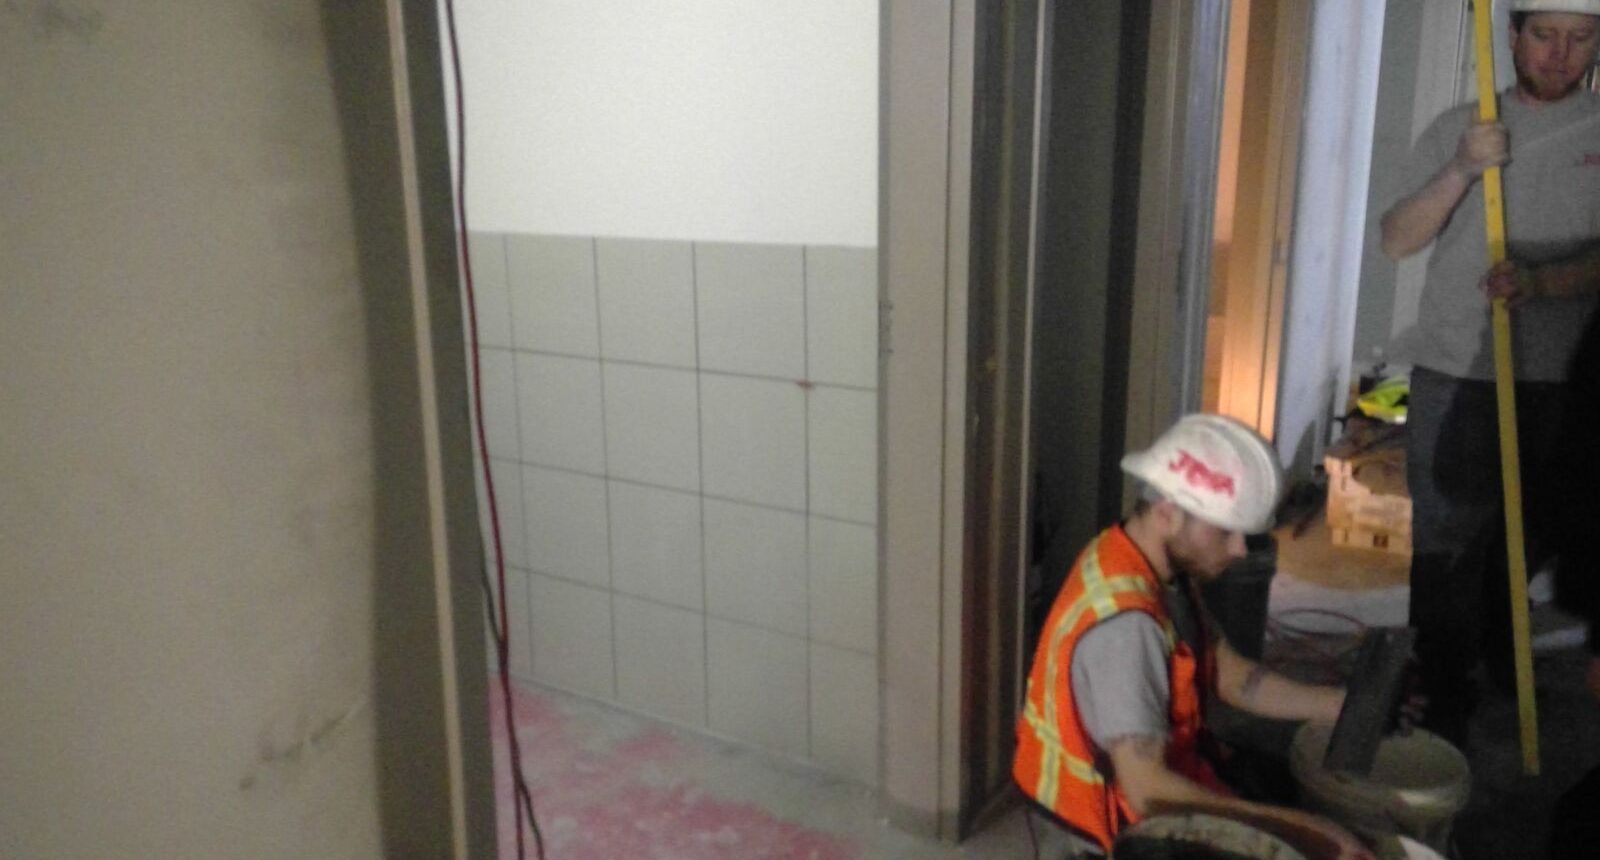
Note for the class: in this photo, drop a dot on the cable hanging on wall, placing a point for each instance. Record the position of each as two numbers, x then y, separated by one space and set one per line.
499 624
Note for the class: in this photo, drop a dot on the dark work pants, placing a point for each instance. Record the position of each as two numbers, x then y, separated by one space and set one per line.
1459 593
1577 538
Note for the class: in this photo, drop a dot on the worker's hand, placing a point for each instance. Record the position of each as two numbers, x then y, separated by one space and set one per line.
1482 146
1507 280
1412 710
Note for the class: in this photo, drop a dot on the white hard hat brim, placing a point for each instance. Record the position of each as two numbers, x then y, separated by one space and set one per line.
1579 7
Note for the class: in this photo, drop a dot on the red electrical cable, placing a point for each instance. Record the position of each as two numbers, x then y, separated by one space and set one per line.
522 797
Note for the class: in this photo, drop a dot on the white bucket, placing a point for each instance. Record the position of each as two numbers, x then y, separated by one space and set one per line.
1417 785
1411 849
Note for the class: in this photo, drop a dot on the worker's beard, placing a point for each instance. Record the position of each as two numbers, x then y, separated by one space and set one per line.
1545 89
1187 562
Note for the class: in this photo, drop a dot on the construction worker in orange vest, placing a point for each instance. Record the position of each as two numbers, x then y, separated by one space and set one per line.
1110 730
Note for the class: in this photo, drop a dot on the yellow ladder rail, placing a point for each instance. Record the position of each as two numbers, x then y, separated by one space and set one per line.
1505 389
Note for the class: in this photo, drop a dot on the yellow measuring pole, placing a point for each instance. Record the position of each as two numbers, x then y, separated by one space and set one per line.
1505 388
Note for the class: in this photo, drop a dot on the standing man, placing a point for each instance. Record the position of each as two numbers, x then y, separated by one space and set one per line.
1549 143
1111 728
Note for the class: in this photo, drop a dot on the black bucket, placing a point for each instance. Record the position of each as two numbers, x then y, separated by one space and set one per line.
1199 837
1238 598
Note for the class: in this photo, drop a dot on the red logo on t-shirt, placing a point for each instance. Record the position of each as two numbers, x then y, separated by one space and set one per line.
1198 474
1589 159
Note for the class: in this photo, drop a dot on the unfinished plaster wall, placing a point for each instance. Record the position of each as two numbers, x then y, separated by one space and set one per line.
187 480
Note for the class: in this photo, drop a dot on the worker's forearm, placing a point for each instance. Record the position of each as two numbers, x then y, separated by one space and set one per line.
1272 695
1412 223
1250 686
1575 276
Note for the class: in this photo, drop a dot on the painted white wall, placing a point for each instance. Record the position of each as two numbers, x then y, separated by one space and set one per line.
721 120
1329 225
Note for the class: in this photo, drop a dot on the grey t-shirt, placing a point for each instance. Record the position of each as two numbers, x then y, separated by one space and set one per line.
1552 203
1119 679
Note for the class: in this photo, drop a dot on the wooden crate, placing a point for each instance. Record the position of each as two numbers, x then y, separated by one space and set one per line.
1368 502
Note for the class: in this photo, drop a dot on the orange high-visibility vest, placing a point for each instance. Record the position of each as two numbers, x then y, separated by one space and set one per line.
1056 763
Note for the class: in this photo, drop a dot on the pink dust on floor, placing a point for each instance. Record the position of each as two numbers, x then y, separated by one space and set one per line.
604 796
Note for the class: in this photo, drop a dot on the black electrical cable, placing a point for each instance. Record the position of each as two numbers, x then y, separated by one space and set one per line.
522 799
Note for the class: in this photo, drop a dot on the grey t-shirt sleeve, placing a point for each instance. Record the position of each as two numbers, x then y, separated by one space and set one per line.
1119 679
1435 146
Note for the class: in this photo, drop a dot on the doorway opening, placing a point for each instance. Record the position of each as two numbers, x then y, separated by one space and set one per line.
1258 150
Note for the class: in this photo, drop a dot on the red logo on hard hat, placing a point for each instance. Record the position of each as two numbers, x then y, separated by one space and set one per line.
1200 475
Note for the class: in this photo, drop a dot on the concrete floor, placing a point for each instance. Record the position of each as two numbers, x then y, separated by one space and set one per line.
610 785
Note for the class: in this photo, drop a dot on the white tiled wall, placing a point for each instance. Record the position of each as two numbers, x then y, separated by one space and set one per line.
684 447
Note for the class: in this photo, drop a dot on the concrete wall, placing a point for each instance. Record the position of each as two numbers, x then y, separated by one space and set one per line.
196 657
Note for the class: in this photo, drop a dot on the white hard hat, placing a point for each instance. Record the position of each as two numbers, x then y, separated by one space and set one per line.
1581 7
1216 468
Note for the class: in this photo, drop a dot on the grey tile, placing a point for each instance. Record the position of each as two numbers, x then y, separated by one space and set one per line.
507 476
487 253
567 532
844 712
661 664
647 301
553 300
756 565
753 440
559 406
498 374
517 611
843 562
843 449
652 432
571 635
751 305
757 685
655 544
842 315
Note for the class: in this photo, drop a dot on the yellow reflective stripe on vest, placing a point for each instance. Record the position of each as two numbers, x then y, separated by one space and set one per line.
1046 733
1099 597
1096 588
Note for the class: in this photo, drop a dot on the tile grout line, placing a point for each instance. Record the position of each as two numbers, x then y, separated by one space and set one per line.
805 449
678 607
735 374
605 466
750 503
700 451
